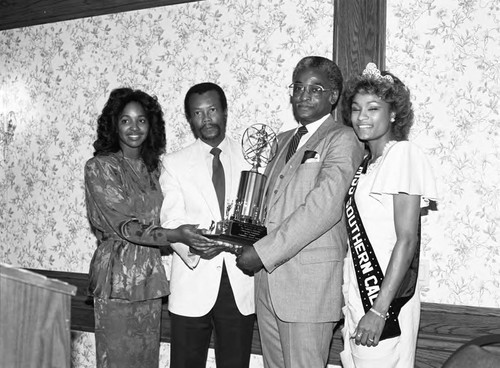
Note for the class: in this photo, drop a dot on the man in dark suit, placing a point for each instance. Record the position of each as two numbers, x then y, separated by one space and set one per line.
298 284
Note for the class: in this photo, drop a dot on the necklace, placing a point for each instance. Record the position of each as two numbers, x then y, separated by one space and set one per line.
374 161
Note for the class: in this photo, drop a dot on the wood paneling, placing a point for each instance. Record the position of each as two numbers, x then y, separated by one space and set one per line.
34 319
359 34
443 327
24 13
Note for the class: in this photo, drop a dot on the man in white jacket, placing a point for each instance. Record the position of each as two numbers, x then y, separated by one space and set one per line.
208 290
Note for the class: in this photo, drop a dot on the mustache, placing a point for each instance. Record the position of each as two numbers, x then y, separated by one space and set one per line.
210 125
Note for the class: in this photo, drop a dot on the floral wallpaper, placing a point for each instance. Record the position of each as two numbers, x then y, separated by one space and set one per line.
447 53
55 79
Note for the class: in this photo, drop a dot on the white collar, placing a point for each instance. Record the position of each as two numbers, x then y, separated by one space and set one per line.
312 127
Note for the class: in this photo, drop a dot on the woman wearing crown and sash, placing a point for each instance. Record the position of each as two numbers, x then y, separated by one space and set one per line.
382 305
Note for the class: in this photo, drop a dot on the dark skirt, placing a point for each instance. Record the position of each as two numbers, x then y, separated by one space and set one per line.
127 334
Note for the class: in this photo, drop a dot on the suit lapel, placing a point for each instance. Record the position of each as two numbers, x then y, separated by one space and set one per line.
276 166
313 142
233 169
202 180
287 170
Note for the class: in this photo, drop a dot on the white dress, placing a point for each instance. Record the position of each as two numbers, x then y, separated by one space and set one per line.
402 168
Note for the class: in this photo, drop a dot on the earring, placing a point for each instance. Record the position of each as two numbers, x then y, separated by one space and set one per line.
393 118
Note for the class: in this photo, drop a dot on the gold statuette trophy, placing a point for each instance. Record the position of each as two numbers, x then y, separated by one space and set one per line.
244 225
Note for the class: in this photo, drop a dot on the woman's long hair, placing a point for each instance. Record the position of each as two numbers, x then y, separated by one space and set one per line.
107 125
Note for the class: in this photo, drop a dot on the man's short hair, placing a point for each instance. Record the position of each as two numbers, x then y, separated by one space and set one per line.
200 89
324 65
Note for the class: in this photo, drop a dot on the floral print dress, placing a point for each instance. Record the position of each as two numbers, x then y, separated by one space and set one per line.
127 278
123 207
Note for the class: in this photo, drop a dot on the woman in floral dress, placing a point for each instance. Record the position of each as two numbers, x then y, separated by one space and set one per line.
382 305
123 197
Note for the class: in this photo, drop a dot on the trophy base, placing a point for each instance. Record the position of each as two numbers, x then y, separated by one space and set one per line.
238 233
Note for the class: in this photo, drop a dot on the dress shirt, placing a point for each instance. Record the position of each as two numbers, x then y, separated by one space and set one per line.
311 129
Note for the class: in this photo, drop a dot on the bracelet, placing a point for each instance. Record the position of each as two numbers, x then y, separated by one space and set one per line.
377 313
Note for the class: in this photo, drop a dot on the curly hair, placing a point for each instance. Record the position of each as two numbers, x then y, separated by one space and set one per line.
107 125
324 65
396 94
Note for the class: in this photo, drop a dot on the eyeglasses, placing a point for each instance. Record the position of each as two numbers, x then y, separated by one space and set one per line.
315 90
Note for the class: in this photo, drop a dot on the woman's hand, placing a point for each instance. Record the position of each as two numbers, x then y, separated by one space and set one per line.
369 329
204 247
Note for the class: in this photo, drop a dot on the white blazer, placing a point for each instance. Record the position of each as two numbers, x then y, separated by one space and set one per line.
190 198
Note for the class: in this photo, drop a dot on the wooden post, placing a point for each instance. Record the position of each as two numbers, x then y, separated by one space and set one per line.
359 34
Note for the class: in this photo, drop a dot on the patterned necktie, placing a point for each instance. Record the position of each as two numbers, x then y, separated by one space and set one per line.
294 143
218 179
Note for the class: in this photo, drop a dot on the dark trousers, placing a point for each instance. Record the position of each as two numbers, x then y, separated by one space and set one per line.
233 334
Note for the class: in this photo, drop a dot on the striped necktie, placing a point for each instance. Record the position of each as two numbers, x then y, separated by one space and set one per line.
218 178
294 143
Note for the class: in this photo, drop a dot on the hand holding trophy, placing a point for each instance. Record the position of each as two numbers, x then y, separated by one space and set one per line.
245 225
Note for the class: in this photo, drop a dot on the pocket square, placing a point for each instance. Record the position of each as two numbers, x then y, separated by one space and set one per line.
310 156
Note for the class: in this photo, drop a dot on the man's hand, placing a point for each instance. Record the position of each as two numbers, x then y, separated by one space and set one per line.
207 250
248 260
198 244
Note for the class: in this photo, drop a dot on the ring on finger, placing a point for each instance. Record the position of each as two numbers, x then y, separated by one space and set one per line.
371 340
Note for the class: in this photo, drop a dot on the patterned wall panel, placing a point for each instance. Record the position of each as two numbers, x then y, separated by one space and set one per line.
57 77
447 52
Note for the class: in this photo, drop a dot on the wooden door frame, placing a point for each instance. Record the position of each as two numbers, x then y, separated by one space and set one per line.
359 34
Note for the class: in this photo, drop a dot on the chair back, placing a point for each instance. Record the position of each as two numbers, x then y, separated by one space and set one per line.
473 354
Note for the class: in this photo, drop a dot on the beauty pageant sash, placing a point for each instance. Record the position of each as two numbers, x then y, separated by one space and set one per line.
369 275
